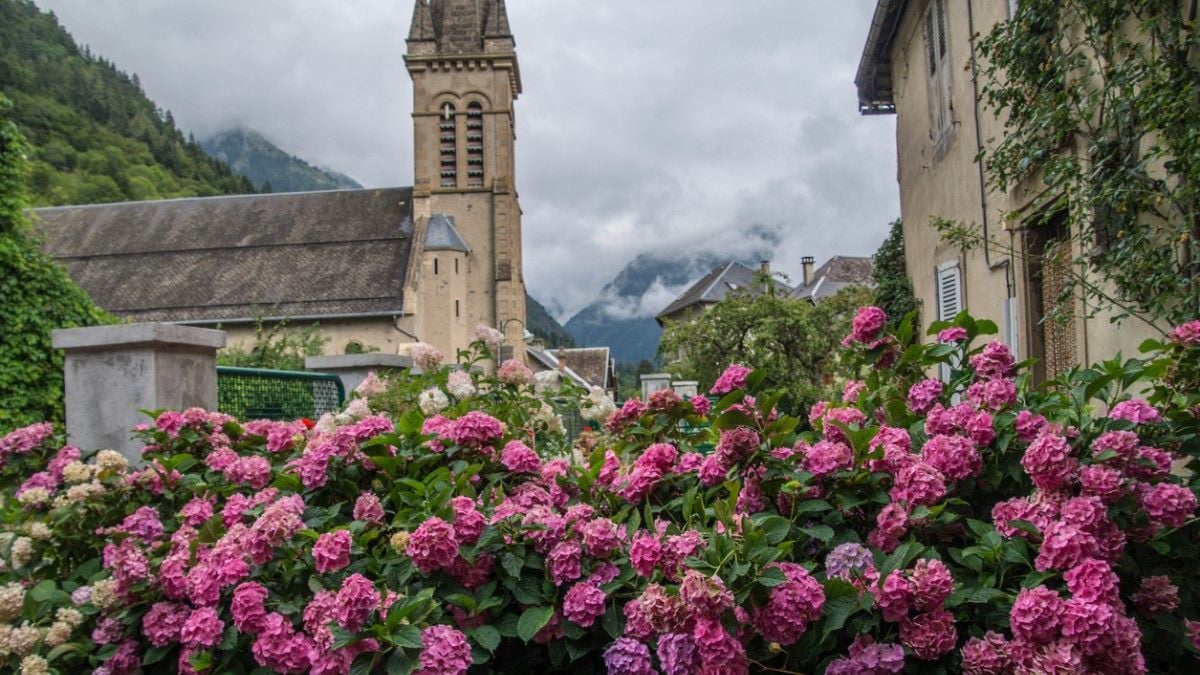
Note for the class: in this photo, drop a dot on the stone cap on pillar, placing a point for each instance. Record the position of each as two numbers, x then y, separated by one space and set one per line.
137 334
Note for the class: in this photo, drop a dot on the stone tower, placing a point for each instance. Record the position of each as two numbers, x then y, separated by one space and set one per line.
462 60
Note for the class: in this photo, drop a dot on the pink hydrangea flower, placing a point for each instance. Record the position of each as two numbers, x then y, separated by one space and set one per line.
929 635
645 553
923 394
867 324
444 651
952 334
993 394
1156 595
719 651
356 599
677 654
733 378
161 625
1093 581
791 607
1063 546
1029 425
202 628
1049 463
705 595
1035 615
827 457
986 656
475 429
468 522
919 484
852 390
700 404
995 361
563 562
1105 483
514 372
890 524
368 508
1168 504
894 597
931 584
249 612
627 656
1187 334
520 458
583 604
433 545
955 456
1135 410
425 356
601 537
332 551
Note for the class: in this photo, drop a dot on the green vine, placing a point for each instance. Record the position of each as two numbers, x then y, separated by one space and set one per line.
1101 100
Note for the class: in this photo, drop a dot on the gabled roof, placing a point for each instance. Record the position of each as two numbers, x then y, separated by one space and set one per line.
302 255
441 235
837 273
592 363
714 287
874 78
459 26
550 362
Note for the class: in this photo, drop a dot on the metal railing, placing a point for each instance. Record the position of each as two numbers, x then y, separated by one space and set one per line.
255 393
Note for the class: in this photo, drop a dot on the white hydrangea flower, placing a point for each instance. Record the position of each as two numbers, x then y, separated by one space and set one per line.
21 552
39 530
547 380
597 405
34 496
358 408
12 600
104 594
111 460
77 472
460 385
21 640
490 336
547 416
432 401
58 633
70 616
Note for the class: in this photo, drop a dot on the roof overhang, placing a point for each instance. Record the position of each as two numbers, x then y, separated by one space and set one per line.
874 78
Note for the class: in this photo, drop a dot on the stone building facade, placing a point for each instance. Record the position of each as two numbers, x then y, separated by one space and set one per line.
375 268
917 64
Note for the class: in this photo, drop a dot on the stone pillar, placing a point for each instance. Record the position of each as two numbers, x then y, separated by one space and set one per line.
352 369
652 382
113 372
686 388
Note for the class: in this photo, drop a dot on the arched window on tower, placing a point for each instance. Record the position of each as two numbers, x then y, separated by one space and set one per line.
448 133
475 145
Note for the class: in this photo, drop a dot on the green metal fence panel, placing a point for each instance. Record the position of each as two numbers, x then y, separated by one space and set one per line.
254 393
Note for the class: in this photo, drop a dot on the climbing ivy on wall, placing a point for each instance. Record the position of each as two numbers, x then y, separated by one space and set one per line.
37 297
1101 98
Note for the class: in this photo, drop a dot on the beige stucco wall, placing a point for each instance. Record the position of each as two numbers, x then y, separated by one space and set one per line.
946 184
444 301
381 333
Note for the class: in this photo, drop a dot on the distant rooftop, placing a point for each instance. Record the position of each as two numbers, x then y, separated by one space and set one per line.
837 273
714 287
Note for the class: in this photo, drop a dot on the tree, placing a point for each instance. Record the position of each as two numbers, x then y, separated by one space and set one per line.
1099 99
277 347
893 288
38 297
793 340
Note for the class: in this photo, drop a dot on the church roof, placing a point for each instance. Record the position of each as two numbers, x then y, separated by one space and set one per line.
212 259
441 235
837 273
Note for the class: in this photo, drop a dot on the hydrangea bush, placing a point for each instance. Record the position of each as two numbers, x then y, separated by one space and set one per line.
973 523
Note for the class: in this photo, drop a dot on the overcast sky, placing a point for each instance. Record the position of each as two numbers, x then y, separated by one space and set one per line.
645 125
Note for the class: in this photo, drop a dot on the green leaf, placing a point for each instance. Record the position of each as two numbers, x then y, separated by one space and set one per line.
532 620
821 532
775 528
771 577
513 564
407 636
485 636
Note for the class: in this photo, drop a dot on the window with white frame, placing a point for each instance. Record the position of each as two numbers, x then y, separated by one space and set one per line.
937 51
949 294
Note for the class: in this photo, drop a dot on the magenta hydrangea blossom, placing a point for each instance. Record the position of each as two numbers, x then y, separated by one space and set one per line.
563 562
1035 614
583 604
987 655
1187 334
929 635
1168 504
1135 410
733 378
952 334
432 545
444 651
331 552
368 508
202 628
475 429
520 458
677 654
645 552
1049 462
923 394
627 656
867 324
955 456
995 361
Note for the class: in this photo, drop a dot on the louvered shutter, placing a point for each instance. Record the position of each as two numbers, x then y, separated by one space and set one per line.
937 47
949 291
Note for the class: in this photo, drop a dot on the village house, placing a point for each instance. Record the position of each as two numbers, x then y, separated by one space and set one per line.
917 64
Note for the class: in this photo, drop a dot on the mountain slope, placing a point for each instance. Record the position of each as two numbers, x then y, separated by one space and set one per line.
542 324
93 134
251 155
623 316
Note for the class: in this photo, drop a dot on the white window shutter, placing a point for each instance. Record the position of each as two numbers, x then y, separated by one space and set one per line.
949 291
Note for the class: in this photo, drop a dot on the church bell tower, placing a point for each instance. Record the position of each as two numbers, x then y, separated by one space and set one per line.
462 60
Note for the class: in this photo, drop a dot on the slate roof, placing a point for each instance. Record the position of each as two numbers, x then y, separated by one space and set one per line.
550 362
301 255
714 287
592 363
441 235
459 26
837 273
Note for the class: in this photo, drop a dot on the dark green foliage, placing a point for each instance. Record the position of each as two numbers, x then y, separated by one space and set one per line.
94 135
893 288
540 323
629 377
38 297
271 169
1100 98
794 341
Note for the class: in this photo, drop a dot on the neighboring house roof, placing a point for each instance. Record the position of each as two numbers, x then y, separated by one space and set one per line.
592 363
441 235
874 78
837 273
550 362
301 255
714 287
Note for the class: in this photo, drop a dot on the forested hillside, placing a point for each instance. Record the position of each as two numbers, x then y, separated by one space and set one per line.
93 135
270 168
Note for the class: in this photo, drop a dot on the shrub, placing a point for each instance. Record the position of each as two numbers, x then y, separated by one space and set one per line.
980 525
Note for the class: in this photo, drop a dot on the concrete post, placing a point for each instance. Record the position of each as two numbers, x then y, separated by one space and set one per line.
652 382
352 369
112 372
686 388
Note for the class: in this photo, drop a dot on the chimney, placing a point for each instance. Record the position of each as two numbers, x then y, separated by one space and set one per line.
807 262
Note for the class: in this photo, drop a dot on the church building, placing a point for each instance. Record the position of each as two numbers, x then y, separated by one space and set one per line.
376 268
